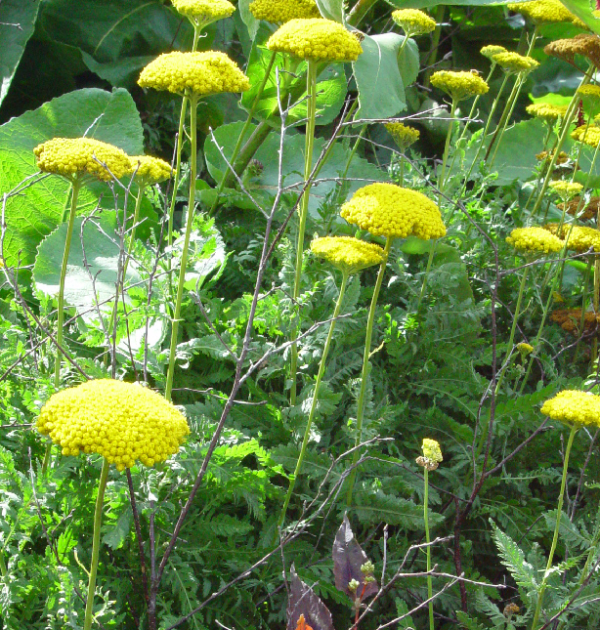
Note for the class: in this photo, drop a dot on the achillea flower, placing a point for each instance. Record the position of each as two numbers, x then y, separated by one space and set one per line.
317 40
510 610
349 255
76 157
512 62
524 348
402 135
569 319
542 11
574 407
491 50
579 238
194 73
413 22
459 85
584 44
545 156
150 170
395 212
534 239
432 455
589 135
566 190
123 422
547 112
280 11
203 12
590 93
587 210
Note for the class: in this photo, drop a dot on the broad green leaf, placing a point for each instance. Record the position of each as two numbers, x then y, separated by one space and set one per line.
93 262
17 20
117 38
32 215
332 9
583 10
249 20
119 531
380 81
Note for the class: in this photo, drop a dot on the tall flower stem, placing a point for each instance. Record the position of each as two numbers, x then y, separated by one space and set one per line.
428 541
313 407
508 112
561 497
364 375
447 144
188 231
427 272
89 606
311 80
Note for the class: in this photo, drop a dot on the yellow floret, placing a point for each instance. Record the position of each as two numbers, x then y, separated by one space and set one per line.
123 422
319 40
574 407
402 135
76 157
194 73
150 170
524 348
413 22
491 50
512 62
542 11
589 92
566 190
546 111
395 212
432 451
281 11
204 12
349 255
459 85
534 239
589 135
579 238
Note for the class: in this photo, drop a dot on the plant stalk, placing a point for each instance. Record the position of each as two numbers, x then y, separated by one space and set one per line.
428 541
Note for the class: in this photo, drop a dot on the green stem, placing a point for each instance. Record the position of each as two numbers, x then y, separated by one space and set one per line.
427 271
177 175
539 180
89 607
435 42
311 79
447 144
428 541
313 407
184 255
360 405
519 83
563 485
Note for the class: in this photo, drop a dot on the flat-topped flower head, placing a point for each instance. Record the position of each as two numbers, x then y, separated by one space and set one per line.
579 238
459 85
123 422
569 319
584 44
201 13
194 73
316 40
402 135
513 63
150 170
491 50
589 135
349 255
534 239
395 212
542 11
413 22
432 455
566 190
547 112
590 93
574 407
582 209
74 158
524 348
281 11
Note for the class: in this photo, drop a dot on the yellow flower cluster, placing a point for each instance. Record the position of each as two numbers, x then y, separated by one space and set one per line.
317 39
349 255
402 135
280 11
150 170
566 189
395 212
459 85
413 22
76 157
123 422
547 112
579 238
204 11
534 239
524 348
590 92
574 407
491 50
542 11
512 62
198 73
432 451
588 135
584 44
